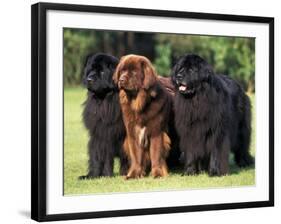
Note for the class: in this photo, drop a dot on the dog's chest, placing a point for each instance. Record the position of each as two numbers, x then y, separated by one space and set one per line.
190 112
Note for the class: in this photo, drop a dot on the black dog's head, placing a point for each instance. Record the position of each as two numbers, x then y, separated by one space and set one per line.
189 72
98 72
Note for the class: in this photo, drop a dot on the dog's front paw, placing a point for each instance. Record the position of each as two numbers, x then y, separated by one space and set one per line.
86 177
190 171
135 173
216 171
159 172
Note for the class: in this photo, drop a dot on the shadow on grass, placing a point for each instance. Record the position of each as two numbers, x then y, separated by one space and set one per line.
234 169
178 170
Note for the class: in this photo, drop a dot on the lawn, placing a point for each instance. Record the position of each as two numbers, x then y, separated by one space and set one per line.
75 161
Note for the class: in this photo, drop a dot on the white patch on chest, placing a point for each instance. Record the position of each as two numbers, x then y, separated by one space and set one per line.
141 133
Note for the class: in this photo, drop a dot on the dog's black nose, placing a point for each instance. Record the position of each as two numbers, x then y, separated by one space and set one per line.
90 79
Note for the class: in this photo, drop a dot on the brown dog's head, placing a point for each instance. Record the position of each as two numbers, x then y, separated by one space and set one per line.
134 72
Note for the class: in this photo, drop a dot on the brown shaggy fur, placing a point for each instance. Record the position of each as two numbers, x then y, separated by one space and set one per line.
146 107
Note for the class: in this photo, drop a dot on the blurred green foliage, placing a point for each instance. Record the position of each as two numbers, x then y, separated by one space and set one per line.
76 44
163 59
233 56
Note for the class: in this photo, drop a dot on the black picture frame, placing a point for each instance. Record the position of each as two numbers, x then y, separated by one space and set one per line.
38 110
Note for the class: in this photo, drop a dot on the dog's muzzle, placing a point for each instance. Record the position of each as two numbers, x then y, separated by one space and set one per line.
122 82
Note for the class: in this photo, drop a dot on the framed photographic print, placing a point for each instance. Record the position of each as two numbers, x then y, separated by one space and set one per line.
139 111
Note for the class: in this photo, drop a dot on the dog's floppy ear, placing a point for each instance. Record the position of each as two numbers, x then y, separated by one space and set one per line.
150 76
116 74
83 70
176 66
113 62
174 73
206 71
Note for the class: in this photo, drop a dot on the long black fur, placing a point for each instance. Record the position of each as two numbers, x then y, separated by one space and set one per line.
212 117
102 117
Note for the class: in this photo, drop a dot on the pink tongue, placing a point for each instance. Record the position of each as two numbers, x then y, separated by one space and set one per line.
182 88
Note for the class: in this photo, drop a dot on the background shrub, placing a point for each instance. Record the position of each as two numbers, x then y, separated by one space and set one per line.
233 56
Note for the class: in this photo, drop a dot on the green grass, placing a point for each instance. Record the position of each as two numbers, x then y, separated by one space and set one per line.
75 161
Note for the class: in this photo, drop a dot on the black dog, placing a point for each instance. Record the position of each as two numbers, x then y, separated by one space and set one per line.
102 117
212 117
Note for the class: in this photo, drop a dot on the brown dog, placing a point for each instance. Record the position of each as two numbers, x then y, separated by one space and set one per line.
146 107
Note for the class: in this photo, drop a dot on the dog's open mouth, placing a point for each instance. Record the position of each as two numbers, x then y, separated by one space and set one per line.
185 90
182 88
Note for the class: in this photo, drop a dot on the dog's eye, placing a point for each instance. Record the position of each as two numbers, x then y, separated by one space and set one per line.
179 76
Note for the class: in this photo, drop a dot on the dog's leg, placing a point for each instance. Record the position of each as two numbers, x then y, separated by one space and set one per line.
158 162
95 164
188 157
124 155
108 165
218 165
241 148
190 163
242 155
136 155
